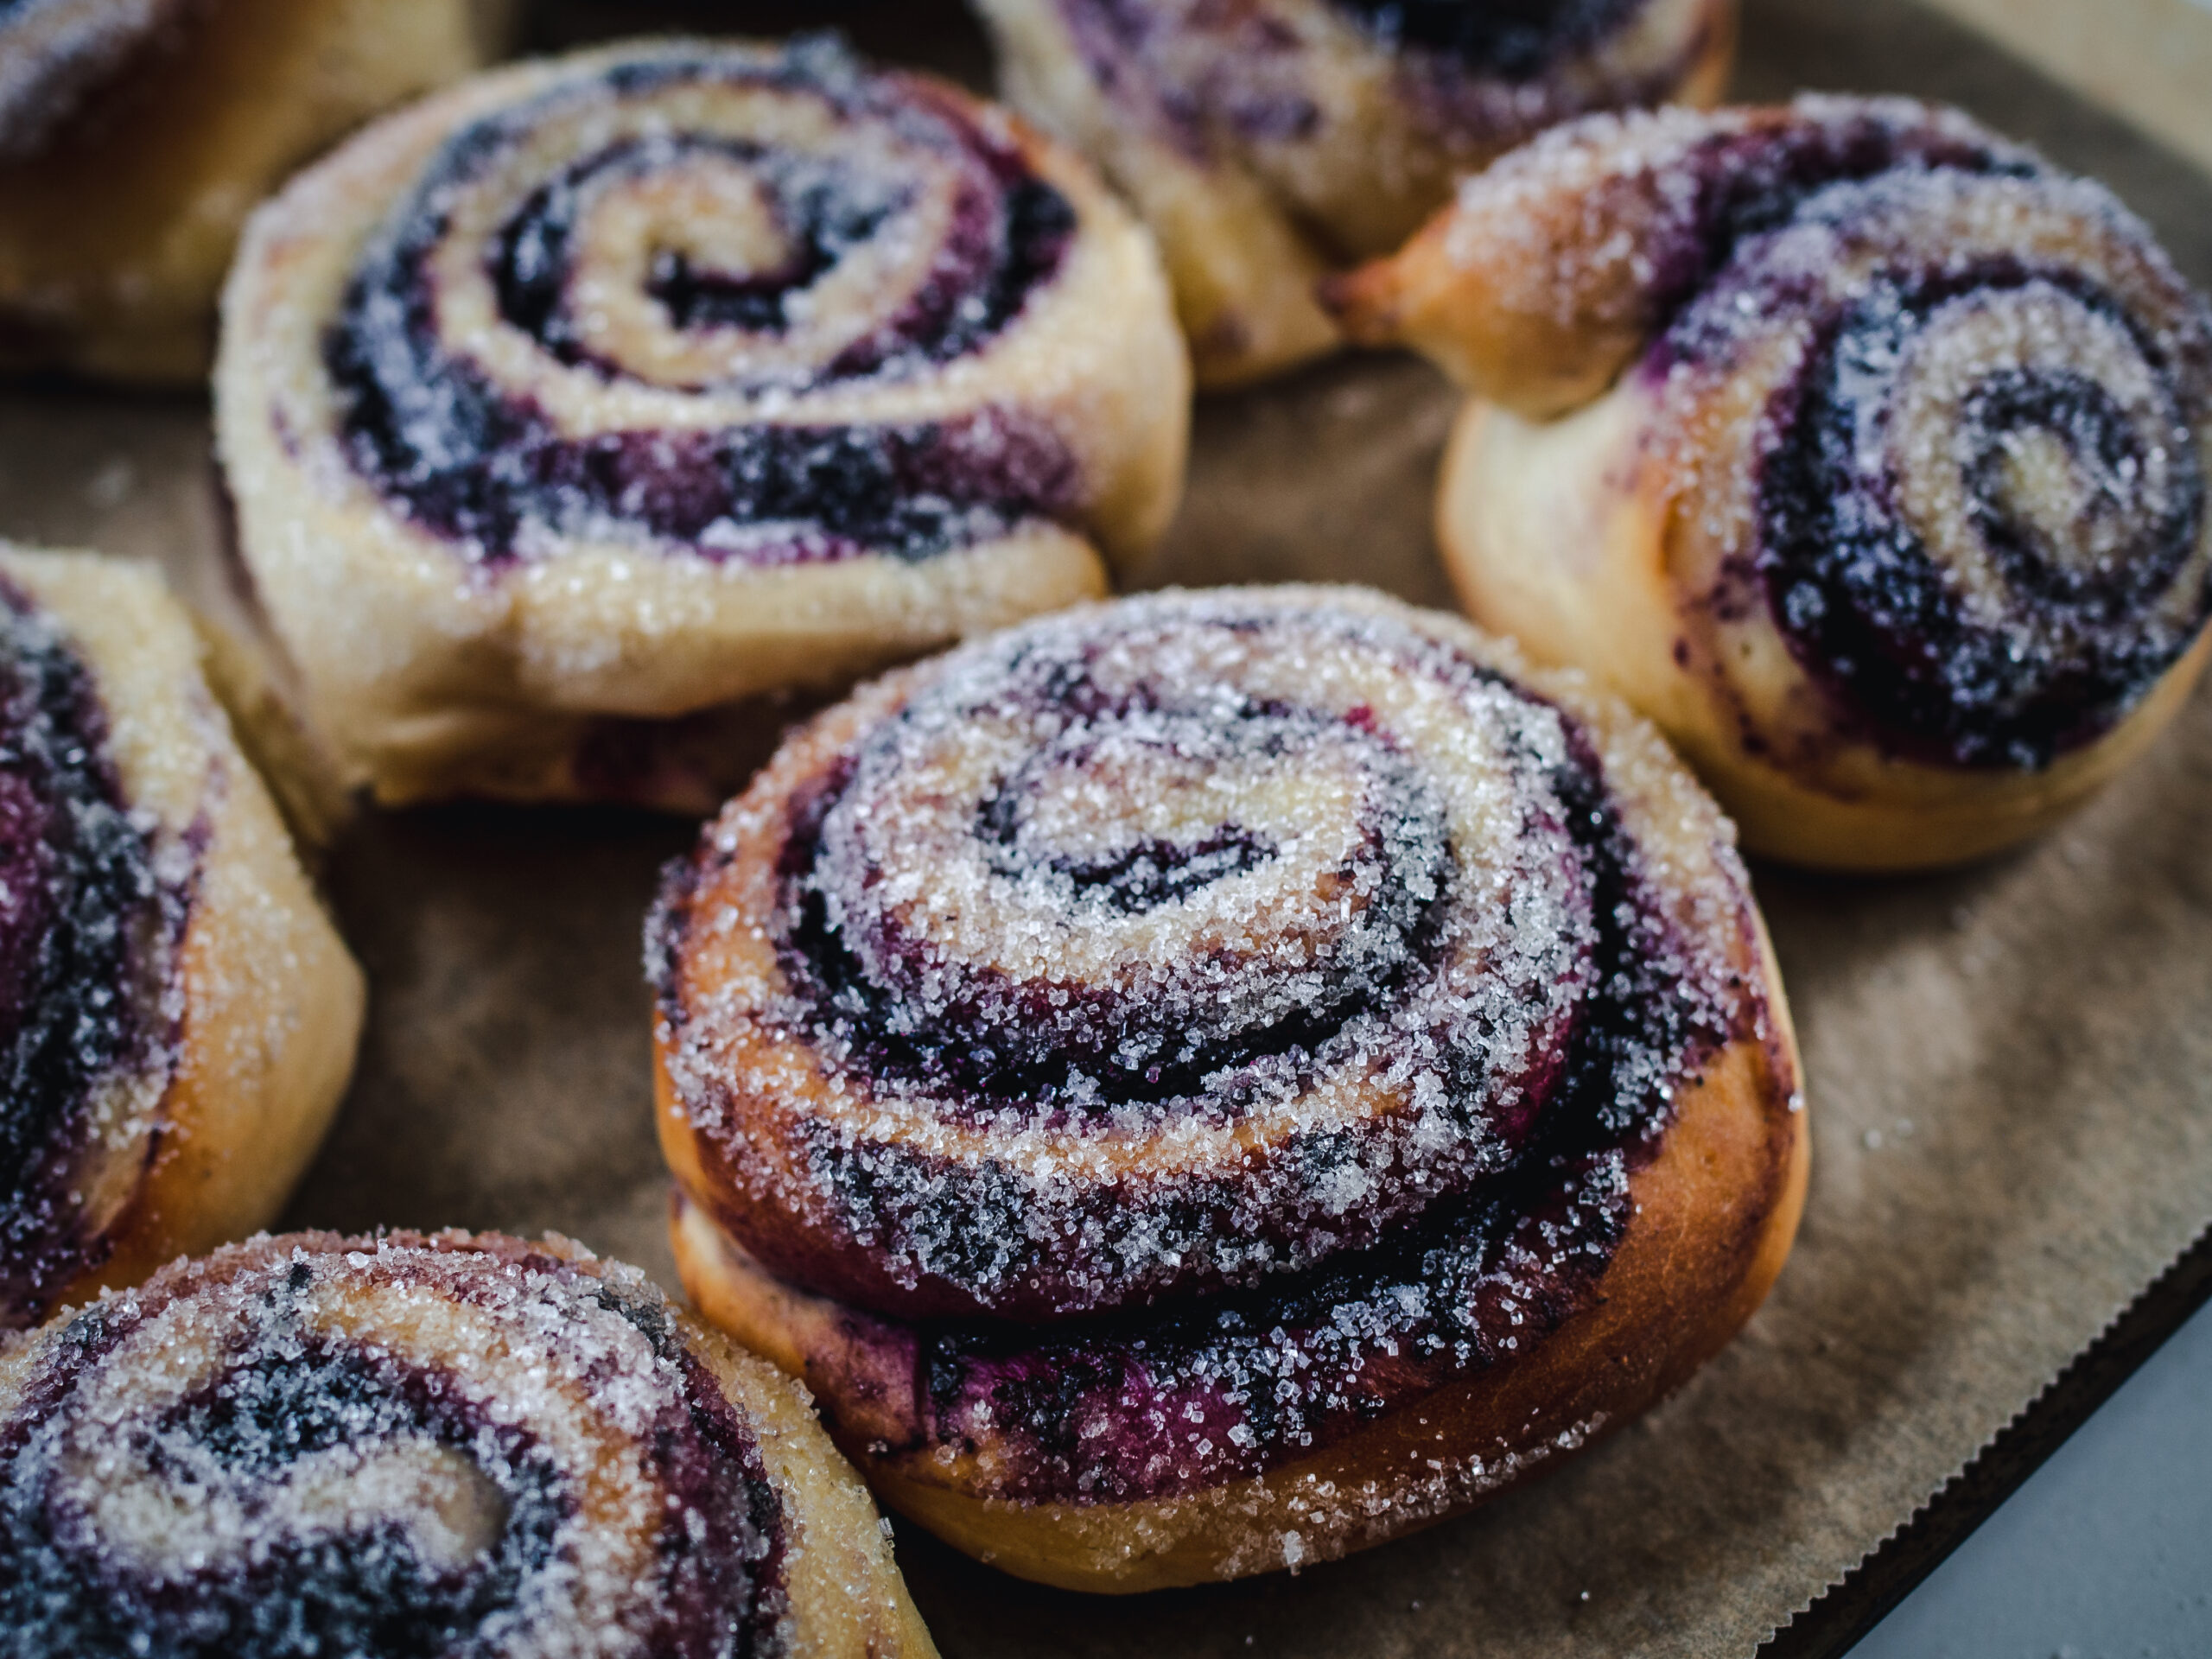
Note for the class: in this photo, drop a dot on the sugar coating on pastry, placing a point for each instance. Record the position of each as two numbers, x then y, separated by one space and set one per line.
411 1445
1270 143
634 384
1141 1052
177 1016
1864 450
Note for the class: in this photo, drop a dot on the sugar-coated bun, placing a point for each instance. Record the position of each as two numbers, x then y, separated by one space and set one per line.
572 408
1864 451
136 135
1212 1082
177 1016
411 1445
1272 141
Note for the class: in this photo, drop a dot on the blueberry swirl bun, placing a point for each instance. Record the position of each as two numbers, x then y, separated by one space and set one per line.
632 385
135 135
409 1445
1862 450
1269 142
177 1016
1215 1081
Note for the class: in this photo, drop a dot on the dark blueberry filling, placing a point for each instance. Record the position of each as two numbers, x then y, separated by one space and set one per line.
1480 74
1153 871
722 1569
699 297
470 464
486 469
998 252
1193 1392
80 912
1870 613
1152 1404
1006 241
1743 185
2097 432
1866 606
362 1589
1512 39
1116 39
814 209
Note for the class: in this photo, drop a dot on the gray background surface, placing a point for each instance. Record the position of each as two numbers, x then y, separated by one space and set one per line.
2105 1552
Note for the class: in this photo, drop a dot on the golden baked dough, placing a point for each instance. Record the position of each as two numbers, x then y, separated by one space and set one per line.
180 1015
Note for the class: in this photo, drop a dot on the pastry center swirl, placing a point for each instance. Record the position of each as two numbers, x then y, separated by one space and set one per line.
1977 507
366 1453
599 315
1990 525
1161 953
1134 900
1073 886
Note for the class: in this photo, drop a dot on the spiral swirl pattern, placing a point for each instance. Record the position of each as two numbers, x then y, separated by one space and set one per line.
1982 518
1976 402
177 1014
637 384
1896 439
1275 968
90 911
720 225
401 1445
755 232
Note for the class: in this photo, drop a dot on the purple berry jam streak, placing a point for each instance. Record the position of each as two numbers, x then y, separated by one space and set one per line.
83 926
1866 605
1514 40
1478 79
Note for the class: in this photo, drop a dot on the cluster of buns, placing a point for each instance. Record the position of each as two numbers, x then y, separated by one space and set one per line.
1192 1084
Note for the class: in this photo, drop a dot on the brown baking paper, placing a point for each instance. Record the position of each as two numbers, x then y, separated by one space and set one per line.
2009 1069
